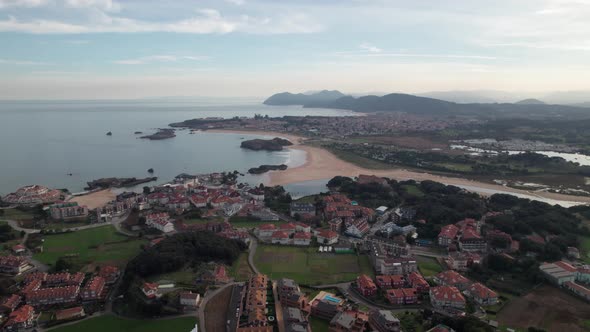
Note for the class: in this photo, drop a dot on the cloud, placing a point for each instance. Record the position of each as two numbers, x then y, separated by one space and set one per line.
206 21
370 48
22 62
236 2
22 3
107 5
159 58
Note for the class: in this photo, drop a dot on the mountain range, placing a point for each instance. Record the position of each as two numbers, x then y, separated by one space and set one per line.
398 102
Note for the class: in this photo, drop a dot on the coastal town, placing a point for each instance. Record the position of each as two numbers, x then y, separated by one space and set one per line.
337 261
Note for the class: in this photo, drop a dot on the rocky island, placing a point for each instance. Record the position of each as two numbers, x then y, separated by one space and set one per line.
275 144
265 168
105 183
161 134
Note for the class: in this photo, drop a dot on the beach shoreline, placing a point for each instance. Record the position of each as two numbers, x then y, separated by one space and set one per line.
95 199
322 164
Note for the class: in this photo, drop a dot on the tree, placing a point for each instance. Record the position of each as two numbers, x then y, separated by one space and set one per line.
62 264
147 190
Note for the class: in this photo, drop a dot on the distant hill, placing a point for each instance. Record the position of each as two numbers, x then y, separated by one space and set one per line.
398 102
287 98
530 101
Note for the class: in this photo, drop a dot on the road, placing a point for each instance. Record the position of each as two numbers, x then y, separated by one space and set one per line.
251 252
205 300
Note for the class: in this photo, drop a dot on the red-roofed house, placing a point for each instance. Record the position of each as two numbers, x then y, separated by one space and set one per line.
150 290
471 241
410 295
447 297
109 273
327 237
447 235
93 289
22 318
288 228
19 249
302 238
417 281
55 295
280 237
384 282
71 313
265 230
301 227
390 281
452 278
395 296
13 265
365 285
481 294
160 221
578 289
8 304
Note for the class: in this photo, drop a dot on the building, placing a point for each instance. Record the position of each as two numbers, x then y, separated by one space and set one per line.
20 319
326 305
69 314
150 290
558 272
295 320
452 278
290 294
93 289
68 211
402 296
13 265
447 297
109 273
256 193
384 321
19 249
447 235
265 230
417 281
410 295
189 299
302 209
302 239
471 241
462 261
160 221
390 281
33 195
10 303
578 289
366 286
51 296
397 265
356 227
573 253
327 237
280 237
348 321
481 294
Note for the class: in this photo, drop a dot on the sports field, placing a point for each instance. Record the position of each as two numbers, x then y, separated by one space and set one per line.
309 267
102 244
116 324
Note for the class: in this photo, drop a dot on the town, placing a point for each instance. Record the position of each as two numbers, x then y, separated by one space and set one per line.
337 261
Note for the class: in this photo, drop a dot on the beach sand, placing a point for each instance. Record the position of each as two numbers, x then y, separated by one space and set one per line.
95 199
322 164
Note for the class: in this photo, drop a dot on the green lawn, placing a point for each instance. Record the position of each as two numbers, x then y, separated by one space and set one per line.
585 249
249 222
116 324
184 276
101 244
15 214
307 266
240 270
428 266
413 190
319 325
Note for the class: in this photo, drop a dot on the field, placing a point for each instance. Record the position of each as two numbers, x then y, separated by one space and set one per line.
319 325
181 277
216 311
248 222
15 214
240 270
548 308
307 266
428 266
101 244
116 324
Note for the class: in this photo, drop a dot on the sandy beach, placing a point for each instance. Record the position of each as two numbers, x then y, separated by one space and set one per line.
322 164
95 199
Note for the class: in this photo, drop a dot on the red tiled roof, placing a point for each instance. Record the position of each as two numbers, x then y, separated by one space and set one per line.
95 284
288 226
480 291
446 293
20 315
280 235
327 234
449 231
365 282
451 277
11 302
395 293
69 313
267 227
302 235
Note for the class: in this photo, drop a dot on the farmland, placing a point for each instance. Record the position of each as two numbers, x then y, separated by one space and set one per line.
116 324
101 244
548 308
307 266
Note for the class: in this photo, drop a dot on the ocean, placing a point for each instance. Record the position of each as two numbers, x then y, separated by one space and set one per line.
43 142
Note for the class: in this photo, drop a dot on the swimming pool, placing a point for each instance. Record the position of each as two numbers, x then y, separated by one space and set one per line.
332 299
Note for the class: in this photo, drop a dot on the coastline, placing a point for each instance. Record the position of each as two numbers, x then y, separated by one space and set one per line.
322 164
96 199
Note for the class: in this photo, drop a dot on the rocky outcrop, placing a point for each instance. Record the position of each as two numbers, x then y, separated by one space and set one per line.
265 168
275 144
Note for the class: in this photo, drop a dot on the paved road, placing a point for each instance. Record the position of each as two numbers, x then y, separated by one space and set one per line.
252 251
205 300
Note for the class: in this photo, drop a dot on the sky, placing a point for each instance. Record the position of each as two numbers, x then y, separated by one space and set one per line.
95 49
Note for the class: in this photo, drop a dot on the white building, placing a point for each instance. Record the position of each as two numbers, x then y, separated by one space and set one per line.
160 221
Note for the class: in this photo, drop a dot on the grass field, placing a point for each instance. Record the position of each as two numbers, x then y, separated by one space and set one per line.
413 190
184 276
428 266
102 244
15 214
240 270
116 324
248 222
318 325
307 266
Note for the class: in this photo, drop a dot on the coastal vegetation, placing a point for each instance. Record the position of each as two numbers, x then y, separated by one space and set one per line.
275 144
265 168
